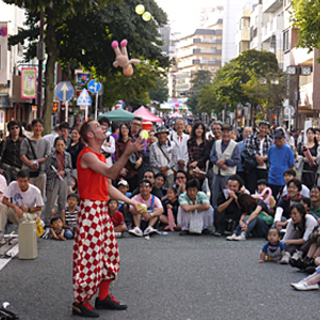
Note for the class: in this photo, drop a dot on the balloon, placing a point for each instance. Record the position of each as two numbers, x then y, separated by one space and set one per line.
144 134
146 16
140 9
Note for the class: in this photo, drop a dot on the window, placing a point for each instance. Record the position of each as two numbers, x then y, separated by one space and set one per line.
286 42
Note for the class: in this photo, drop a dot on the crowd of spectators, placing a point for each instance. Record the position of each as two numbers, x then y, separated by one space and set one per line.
194 179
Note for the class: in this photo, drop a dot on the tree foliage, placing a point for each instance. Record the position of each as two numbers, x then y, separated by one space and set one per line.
161 92
238 82
305 16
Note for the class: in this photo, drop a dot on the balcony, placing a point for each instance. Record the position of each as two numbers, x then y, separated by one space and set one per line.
199 51
271 6
217 41
207 62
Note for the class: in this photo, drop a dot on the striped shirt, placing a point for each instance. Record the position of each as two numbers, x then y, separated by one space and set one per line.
71 217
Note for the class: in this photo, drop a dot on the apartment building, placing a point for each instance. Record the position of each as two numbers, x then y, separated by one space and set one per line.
198 51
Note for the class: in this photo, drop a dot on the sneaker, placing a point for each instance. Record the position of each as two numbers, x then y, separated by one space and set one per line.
295 263
84 310
303 286
183 232
206 232
2 241
217 234
310 270
240 237
149 230
46 234
136 232
286 258
232 237
297 255
109 303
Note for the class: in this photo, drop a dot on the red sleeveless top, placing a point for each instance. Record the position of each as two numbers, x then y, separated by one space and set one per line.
91 185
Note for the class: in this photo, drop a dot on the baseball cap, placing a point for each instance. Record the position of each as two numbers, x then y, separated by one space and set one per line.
226 126
123 183
278 133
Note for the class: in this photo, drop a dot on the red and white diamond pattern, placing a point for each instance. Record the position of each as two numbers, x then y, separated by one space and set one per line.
95 251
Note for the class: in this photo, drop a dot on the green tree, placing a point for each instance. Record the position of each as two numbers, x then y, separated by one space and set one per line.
305 17
199 79
161 93
83 38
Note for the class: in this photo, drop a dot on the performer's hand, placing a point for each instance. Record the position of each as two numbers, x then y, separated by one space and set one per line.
135 146
135 206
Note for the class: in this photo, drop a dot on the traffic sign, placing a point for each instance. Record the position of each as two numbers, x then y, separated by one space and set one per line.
94 86
84 99
64 91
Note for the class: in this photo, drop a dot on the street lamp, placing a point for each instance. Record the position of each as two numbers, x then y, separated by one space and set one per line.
298 70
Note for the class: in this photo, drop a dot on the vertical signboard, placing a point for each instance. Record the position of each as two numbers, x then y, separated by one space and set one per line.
28 83
3 52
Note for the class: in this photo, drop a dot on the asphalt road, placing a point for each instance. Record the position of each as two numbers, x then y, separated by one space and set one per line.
169 277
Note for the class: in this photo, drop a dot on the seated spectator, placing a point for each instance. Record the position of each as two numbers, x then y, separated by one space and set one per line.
144 223
255 219
21 202
108 148
300 226
273 250
149 175
288 175
315 202
228 212
262 184
193 200
170 206
283 207
70 215
73 188
56 230
181 181
159 182
123 187
309 283
116 217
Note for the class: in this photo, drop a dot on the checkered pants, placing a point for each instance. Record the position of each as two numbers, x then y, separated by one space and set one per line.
95 251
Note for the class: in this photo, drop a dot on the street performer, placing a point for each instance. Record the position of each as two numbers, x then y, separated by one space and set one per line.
96 260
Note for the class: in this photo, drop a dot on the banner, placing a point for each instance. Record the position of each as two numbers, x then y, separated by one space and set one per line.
3 53
28 83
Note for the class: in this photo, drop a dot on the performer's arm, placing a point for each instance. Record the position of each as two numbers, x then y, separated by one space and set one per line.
90 160
116 194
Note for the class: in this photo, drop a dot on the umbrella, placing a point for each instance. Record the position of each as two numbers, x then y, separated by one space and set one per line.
119 115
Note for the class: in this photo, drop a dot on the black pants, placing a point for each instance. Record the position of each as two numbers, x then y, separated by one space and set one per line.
253 176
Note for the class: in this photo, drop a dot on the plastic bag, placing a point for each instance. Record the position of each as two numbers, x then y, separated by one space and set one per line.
40 230
196 223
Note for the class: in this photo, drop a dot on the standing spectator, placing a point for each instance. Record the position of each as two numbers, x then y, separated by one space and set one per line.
34 152
188 129
181 139
257 147
130 170
51 137
191 201
109 147
240 171
115 131
65 133
164 155
217 130
300 139
136 127
225 156
10 152
196 150
74 149
309 167
280 158
317 130
58 169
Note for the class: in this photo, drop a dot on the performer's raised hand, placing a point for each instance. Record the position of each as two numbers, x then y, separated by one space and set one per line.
138 145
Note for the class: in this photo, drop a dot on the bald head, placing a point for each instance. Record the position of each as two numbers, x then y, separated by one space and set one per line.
246 132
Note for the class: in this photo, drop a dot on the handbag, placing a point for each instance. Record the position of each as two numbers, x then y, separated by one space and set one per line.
196 223
34 174
248 162
266 218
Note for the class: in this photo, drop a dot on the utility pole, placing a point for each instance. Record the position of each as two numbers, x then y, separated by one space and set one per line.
40 57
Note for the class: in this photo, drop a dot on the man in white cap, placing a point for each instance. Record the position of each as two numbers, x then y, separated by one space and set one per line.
164 155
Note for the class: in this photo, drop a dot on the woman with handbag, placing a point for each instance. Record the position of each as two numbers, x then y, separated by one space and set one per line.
309 152
33 153
196 152
255 220
130 170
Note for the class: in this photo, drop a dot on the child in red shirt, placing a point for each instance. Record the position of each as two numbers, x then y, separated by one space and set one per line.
116 217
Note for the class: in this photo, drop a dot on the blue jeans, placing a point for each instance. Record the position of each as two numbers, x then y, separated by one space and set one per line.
68 234
257 227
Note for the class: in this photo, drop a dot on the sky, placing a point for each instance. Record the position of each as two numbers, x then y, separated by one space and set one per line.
183 14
